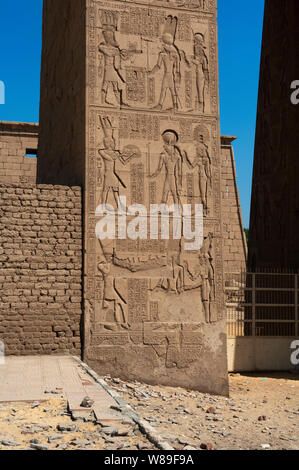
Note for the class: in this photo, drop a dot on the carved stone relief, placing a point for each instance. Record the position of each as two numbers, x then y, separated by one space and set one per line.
153 139
149 59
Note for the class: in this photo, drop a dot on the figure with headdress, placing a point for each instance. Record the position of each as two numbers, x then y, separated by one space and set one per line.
110 155
171 160
170 60
200 61
202 276
202 162
113 56
208 285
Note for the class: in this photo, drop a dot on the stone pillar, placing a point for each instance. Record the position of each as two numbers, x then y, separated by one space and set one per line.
274 224
154 311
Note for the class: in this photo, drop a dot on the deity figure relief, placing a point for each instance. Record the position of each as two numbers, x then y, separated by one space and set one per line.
208 286
109 156
171 161
169 59
190 274
202 276
202 162
200 61
111 295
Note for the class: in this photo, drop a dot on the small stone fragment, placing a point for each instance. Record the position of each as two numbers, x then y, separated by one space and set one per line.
39 447
262 418
87 402
211 410
66 427
36 404
207 446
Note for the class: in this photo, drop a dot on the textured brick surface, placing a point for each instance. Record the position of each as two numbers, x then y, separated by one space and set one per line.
234 240
16 140
40 268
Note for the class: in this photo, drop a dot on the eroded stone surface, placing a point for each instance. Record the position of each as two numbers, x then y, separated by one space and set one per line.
153 310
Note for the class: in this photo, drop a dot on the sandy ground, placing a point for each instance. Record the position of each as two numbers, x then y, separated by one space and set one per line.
261 413
24 426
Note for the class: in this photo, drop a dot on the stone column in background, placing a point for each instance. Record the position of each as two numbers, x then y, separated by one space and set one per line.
274 224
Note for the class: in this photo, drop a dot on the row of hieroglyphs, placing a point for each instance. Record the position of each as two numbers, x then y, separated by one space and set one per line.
202 5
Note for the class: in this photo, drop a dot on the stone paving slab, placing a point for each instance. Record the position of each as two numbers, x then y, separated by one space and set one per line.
105 415
28 378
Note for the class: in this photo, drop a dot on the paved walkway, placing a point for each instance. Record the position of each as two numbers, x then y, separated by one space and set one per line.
38 378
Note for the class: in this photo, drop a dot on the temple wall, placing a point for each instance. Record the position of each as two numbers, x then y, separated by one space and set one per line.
40 269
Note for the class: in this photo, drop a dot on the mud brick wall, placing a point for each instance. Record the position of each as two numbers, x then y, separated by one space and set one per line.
234 240
40 269
16 141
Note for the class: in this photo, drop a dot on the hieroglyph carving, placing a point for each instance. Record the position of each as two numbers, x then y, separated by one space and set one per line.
153 140
150 59
202 5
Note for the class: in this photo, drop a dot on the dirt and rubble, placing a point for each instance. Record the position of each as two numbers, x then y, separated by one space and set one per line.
49 426
261 413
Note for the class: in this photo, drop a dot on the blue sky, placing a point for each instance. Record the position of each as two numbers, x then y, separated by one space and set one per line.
240 30
240 38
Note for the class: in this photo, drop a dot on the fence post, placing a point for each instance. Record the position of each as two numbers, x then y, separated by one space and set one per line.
253 304
296 307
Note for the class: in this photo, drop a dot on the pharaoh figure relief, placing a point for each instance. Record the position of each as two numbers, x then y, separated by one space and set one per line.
169 72
111 181
153 142
112 55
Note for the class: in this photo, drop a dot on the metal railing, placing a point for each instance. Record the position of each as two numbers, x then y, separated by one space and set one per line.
262 303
